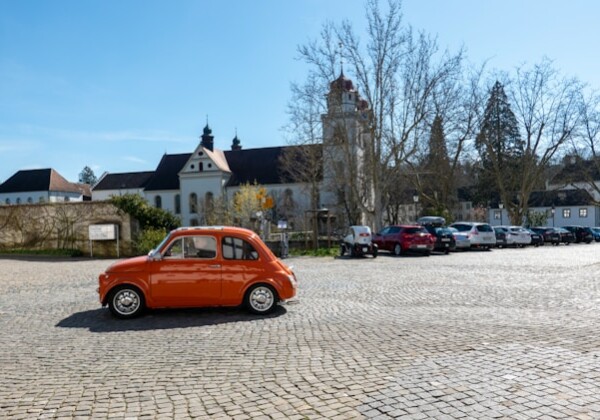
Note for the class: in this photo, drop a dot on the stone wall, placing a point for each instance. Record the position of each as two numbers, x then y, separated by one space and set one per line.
65 226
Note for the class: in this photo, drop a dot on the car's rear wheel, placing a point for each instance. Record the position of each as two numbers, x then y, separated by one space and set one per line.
260 299
126 302
397 250
375 252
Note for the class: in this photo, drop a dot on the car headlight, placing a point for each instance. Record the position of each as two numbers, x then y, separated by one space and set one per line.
293 280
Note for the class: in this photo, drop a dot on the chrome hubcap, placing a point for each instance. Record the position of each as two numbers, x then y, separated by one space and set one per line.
261 298
126 302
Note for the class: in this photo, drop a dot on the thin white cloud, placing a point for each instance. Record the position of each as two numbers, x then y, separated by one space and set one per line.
134 159
143 136
17 145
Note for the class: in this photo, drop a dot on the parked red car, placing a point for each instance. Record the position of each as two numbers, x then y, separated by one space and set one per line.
400 239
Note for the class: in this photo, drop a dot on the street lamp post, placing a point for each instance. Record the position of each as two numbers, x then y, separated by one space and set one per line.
501 207
416 201
552 210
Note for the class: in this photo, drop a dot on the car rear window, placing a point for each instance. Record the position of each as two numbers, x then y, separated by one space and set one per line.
484 228
462 228
415 230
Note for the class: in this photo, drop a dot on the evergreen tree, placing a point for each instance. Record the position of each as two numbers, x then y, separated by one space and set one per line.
436 190
87 176
501 150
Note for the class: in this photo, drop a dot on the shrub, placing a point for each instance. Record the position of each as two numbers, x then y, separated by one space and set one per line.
148 239
146 215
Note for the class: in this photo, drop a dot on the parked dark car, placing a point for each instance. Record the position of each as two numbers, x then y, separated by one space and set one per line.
596 232
550 234
400 239
582 234
444 239
500 236
537 239
566 237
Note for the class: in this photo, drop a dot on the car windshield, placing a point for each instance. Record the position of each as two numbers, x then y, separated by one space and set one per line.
160 245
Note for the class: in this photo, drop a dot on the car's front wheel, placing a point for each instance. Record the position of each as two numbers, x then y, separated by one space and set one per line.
397 250
126 302
260 299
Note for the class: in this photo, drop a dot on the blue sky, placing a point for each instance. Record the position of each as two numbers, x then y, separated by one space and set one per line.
115 84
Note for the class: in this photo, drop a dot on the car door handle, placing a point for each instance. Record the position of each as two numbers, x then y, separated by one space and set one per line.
215 266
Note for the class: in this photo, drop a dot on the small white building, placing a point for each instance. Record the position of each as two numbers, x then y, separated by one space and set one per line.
41 186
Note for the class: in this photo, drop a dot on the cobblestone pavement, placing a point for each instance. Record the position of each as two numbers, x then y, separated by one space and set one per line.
509 333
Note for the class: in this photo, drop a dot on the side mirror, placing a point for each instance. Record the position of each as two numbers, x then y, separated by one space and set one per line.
154 255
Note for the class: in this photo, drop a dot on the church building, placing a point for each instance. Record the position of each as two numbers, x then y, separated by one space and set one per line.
184 183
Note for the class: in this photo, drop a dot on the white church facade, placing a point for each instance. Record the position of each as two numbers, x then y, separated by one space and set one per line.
182 183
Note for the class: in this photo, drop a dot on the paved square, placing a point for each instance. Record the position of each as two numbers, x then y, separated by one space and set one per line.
509 333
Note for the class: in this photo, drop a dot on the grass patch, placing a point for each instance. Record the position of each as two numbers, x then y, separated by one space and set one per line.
43 252
320 252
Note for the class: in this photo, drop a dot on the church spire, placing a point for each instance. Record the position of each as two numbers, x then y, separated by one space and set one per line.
207 139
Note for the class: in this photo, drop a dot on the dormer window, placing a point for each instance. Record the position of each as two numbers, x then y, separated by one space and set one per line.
209 165
200 167
192 166
200 153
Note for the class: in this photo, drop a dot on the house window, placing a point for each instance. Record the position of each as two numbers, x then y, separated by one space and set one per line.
194 222
200 167
497 214
158 202
583 212
19 200
7 201
30 200
41 200
67 199
566 213
193 204
177 204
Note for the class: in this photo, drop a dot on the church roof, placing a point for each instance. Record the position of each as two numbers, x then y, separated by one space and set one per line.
38 180
166 176
126 180
262 166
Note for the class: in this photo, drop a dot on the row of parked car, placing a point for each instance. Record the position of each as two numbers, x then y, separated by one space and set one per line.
431 234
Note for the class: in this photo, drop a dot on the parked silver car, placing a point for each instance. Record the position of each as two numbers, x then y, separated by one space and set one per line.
481 235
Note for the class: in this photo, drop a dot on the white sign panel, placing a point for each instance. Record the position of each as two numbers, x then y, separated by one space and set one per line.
103 232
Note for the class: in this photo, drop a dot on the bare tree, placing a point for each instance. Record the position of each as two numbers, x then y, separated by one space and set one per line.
547 107
398 72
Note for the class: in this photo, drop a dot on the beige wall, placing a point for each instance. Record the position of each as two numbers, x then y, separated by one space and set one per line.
64 226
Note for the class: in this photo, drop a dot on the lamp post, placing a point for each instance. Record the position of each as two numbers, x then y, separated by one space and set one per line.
501 207
416 201
552 210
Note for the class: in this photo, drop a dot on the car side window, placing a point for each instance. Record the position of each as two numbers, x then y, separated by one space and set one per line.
200 247
238 249
394 229
175 250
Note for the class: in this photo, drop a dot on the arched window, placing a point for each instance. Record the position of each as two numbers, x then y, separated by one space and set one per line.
177 204
158 202
7 201
209 200
29 200
193 203
200 166
18 200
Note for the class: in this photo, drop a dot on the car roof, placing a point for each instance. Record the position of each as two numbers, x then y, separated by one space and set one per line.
213 229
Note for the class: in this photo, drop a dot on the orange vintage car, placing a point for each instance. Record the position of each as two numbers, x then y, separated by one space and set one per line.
199 266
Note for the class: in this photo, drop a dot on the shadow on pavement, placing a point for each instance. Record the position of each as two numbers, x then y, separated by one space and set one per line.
101 321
